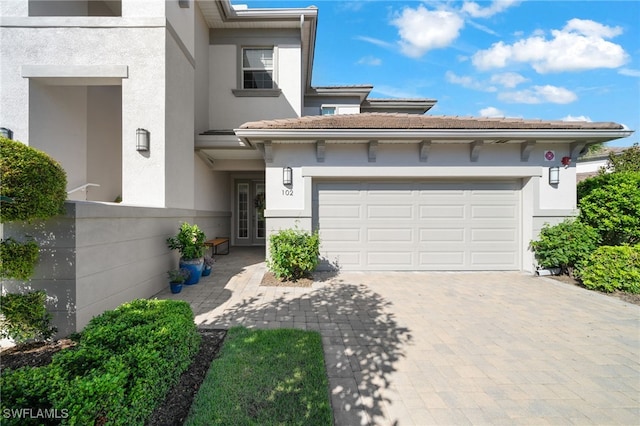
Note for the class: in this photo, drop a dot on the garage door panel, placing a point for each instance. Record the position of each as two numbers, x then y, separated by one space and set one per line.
494 259
441 211
390 235
493 212
389 212
420 225
492 235
441 234
389 260
441 258
340 235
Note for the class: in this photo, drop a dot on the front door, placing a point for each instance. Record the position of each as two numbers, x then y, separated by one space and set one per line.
249 204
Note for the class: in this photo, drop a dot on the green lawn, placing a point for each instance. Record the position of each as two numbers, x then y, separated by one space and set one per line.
265 377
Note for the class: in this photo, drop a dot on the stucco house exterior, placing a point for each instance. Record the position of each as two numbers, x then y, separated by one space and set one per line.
197 110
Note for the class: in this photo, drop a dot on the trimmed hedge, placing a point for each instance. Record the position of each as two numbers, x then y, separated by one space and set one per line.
34 181
25 316
122 368
613 268
18 260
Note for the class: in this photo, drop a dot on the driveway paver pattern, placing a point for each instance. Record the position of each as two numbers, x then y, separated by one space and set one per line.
441 348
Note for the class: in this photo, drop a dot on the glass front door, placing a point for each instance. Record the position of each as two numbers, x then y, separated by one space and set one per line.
250 205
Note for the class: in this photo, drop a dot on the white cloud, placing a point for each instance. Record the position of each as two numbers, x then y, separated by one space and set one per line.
508 79
497 6
370 60
482 28
468 82
580 45
491 112
578 118
421 29
629 72
539 95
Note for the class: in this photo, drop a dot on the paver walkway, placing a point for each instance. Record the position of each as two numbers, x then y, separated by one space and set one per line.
446 348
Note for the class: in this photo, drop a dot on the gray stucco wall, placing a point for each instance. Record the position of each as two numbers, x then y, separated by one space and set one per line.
99 255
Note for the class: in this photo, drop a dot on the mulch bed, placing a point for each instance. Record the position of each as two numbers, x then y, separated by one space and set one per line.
173 411
270 280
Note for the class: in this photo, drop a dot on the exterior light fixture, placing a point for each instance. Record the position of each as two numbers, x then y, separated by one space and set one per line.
7 133
142 140
287 176
554 175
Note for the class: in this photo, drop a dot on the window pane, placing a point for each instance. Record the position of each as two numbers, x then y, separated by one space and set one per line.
243 210
257 80
328 111
257 58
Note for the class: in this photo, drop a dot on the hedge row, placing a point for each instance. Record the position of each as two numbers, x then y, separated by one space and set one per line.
613 268
123 366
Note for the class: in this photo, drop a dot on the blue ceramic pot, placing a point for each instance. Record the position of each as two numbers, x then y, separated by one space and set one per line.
206 271
176 287
194 267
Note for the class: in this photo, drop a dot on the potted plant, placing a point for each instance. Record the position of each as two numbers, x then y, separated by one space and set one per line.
208 264
189 241
177 277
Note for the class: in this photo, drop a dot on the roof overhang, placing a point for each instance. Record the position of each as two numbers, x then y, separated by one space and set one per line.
589 136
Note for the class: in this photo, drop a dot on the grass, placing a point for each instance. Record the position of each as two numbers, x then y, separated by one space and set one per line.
265 377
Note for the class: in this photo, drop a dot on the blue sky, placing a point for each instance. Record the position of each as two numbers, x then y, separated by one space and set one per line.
550 60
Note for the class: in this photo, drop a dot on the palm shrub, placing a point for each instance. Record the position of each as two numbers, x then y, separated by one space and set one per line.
25 317
565 245
293 253
613 268
18 260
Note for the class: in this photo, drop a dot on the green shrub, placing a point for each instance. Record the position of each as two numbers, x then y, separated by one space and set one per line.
25 316
293 253
610 203
34 181
18 260
565 245
123 366
613 268
189 241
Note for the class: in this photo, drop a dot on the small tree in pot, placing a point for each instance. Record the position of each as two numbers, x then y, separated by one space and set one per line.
177 277
189 241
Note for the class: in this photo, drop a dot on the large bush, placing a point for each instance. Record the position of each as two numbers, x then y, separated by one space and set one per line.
34 181
25 317
627 161
122 368
565 245
293 253
610 203
613 268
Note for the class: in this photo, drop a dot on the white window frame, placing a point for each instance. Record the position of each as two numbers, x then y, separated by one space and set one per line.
334 107
241 91
265 68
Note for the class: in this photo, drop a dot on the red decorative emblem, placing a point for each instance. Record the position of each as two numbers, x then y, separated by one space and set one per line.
549 155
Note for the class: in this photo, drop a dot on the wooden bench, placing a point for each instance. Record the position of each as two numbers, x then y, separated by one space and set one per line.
218 241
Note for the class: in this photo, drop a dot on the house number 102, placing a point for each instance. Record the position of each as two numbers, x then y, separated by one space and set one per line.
287 192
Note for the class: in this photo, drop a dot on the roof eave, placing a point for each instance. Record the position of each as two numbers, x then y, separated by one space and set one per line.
310 135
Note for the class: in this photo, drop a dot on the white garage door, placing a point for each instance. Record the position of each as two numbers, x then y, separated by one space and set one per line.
419 225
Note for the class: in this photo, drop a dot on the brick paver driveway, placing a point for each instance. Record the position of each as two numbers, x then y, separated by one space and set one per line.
447 348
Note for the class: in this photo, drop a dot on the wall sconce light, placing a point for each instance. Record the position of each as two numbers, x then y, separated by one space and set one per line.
554 175
287 176
142 140
7 133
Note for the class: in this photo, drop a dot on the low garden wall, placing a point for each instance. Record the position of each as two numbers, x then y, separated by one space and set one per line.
99 255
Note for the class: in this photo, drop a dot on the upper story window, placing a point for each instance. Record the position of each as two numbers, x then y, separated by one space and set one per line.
257 68
327 110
